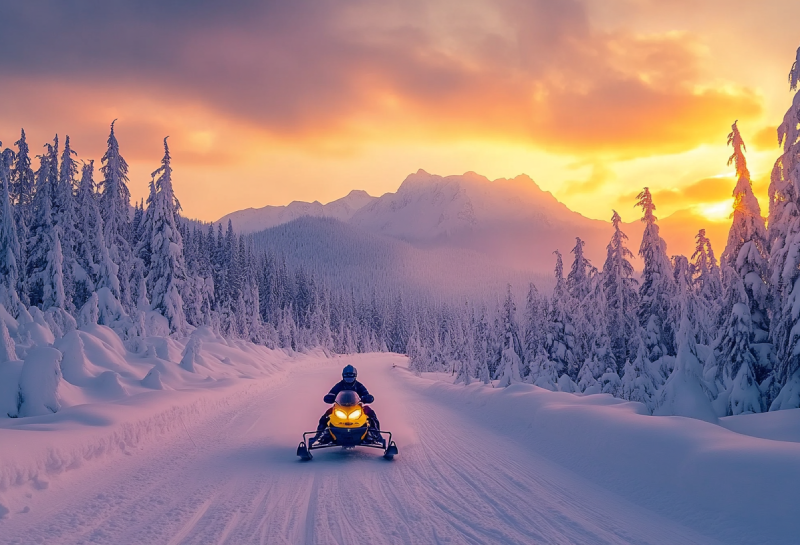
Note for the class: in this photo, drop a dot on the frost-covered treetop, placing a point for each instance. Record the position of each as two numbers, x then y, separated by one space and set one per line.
69 167
87 178
164 183
794 73
616 246
645 200
114 169
580 274
615 220
559 274
737 157
748 225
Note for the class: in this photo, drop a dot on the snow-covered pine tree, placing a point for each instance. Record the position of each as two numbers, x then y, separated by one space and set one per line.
23 180
534 330
784 261
467 369
92 253
708 288
44 267
684 393
561 335
508 370
638 383
199 290
167 273
621 295
417 356
544 372
686 295
736 373
136 223
398 335
65 218
9 242
746 251
579 277
115 201
658 287
593 338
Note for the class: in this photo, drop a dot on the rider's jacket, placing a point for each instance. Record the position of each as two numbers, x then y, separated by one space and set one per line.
356 386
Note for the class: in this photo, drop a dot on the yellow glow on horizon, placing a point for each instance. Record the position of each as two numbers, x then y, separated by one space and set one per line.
718 212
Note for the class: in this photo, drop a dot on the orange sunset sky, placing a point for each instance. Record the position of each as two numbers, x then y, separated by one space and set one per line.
266 102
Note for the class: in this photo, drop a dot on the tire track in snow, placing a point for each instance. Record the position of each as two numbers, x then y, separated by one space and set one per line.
189 526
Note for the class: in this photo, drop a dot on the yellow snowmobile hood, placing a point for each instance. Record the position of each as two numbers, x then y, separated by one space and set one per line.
348 417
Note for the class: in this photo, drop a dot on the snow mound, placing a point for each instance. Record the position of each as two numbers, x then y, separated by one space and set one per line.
39 382
692 470
152 380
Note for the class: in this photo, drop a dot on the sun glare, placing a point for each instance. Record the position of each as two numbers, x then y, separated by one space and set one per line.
717 211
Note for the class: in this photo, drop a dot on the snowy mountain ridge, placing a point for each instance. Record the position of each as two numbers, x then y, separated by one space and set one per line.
510 220
427 206
252 220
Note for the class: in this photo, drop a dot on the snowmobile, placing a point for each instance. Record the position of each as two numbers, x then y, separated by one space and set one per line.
348 428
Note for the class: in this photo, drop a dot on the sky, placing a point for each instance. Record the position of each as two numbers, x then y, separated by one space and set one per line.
266 102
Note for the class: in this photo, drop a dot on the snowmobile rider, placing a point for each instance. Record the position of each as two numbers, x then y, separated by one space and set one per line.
348 382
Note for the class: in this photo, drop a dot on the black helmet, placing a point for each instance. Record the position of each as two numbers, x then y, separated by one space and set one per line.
349 374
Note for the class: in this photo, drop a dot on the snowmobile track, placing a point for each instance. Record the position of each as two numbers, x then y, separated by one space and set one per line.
243 484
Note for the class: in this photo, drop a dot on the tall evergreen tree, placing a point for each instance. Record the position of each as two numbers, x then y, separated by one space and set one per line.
638 382
621 296
535 329
509 368
784 261
657 287
685 393
708 287
9 243
64 217
167 273
44 267
23 183
579 277
22 177
561 337
92 253
746 251
737 373
115 201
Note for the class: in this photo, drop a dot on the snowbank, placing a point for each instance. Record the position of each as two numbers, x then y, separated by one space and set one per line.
87 397
747 467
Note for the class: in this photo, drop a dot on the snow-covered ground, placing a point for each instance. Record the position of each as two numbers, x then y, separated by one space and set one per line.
477 465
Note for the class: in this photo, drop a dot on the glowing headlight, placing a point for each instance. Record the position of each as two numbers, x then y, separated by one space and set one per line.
355 414
341 414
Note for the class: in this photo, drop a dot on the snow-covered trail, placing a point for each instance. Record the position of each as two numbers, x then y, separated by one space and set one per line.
235 479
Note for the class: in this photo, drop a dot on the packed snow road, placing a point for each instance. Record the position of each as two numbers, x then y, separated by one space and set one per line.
235 479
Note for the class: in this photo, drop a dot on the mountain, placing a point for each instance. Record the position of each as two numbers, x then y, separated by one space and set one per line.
513 221
252 220
354 260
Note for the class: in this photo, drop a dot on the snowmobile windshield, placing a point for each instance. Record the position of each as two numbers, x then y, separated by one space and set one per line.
347 398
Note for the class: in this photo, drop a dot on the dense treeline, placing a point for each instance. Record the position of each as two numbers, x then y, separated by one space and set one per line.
697 336
73 250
